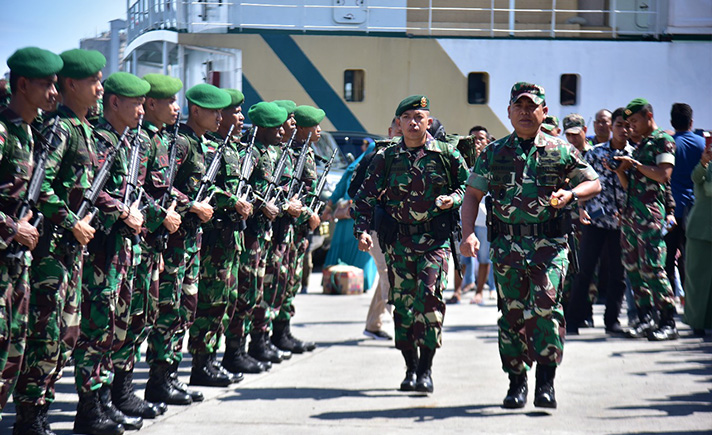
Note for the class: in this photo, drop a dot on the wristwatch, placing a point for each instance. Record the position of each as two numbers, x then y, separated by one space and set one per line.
574 197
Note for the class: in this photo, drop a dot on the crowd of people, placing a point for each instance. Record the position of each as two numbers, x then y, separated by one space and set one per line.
122 226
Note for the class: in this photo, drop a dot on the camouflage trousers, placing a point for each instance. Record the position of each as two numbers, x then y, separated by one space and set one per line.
141 286
644 252
14 299
250 284
217 279
279 258
298 251
418 280
177 296
532 326
106 297
53 324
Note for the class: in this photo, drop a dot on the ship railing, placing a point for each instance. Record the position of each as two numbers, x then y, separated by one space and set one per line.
397 16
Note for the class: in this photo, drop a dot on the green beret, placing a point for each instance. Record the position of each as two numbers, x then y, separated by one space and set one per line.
288 105
236 97
162 87
33 62
126 85
208 96
413 102
268 115
634 106
80 64
308 116
523 89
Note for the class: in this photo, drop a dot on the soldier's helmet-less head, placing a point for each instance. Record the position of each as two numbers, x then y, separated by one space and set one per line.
530 90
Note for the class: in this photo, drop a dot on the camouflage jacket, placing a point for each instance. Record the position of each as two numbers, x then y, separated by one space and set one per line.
309 178
117 182
228 176
16 162
646 197
70 172
156 183
407 182
521 184
268 155
191 162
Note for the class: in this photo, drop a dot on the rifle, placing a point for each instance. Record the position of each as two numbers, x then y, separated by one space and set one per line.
90 195
316 203
162 232
298 171
132 180
455 239
278 171
16 251
246 168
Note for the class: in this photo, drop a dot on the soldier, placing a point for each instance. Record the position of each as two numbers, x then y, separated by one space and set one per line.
525 172
222 240
412 193
269 118
179 280
307 120
645 175
159 108
551 126
109 264
55 274
33 74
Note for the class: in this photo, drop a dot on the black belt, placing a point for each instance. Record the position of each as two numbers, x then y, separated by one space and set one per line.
557 227
413 229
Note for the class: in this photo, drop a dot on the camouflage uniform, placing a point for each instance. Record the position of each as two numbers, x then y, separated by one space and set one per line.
56 271
178 287
529 270
222 243
144 297
108 276
642 220
16 148
410 180
257 238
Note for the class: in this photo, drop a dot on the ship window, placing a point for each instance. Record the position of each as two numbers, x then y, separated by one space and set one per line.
353 84
477 84
569 89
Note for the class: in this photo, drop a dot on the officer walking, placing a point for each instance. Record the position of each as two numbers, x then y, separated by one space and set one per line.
524 173
412 193
33 75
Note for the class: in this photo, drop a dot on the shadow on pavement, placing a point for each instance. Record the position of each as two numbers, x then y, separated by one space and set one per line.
426 414
299 393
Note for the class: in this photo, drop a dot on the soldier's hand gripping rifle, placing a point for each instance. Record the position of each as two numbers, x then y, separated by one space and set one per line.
246 168
316 203
133 193
90 195
16 251
162 232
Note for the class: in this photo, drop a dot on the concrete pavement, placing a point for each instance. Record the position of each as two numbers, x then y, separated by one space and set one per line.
349 384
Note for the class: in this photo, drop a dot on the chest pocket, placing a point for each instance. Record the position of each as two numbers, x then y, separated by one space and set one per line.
501 182
435 174
22 159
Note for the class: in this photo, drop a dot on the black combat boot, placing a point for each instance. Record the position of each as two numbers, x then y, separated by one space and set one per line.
282 354
90 418
203 373
411 366
124 398
28 420
195 395
306 345
235 378
111 411
259 350
236 360
45 421
424 382
666 330
517 393
645 324
544 392
282 340
159 387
